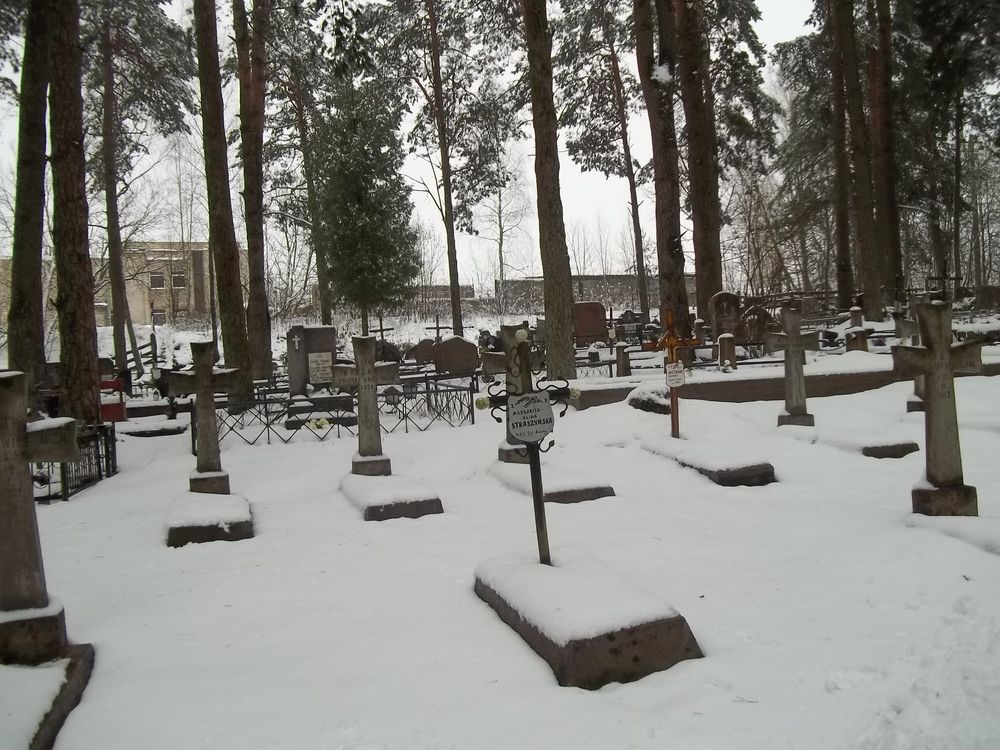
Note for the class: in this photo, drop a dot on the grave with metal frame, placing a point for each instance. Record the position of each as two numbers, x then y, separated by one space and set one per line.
637 634
208 512
32 624
943 491
371 486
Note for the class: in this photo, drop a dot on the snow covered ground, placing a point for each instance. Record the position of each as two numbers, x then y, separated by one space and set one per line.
828 618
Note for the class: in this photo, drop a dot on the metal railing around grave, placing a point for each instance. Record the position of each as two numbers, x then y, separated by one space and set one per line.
98 460
416 404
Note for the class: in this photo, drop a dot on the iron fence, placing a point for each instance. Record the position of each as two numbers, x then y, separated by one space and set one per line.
98 460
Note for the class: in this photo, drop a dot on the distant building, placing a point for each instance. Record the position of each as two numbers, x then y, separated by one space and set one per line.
618 291
166 282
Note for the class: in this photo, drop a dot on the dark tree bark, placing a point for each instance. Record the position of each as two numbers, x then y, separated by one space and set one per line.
842 23
444 149
659 97
956 219
116 272
703 166
75 299
886 203
841 185
557 278
251 57
25 321
221 234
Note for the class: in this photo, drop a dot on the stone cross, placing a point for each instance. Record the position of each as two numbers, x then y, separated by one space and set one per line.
938 360
795 343
22 575
204 381
366 375
856 337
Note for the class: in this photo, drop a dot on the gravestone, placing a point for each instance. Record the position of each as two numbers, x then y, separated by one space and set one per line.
366 375
727 350
32 628
456 355
422 353
386 351
312 350
938 360
589 323
724 310
623 365
701 329
758 321
795 344
856 337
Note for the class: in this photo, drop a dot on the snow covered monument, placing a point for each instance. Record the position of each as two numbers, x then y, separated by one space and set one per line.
943 491
794 344
370 485
207 512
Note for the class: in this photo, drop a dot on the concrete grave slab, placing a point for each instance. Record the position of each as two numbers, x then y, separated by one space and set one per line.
380 498
200 517
590 624
723 464
561 484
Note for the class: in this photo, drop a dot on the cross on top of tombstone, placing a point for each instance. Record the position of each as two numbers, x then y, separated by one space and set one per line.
204 381
22 577
366 375
938 360
795 344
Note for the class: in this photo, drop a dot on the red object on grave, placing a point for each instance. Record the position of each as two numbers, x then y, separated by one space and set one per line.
113 411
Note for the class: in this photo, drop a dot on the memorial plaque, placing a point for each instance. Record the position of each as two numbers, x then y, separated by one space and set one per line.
320 366
675 374
531 417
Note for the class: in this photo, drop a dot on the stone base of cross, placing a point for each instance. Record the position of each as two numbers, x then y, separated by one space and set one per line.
366 375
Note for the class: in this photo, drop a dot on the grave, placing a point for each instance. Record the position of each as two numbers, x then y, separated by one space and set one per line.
943 491
370 486
726 344
856 337
758 322
589 323
456 355
794 344
312 350
724 311
422 353
723 464
207 512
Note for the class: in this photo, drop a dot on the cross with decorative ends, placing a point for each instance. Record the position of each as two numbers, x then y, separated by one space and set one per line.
795 344
671 342
366 375
938 360
22 575
204 381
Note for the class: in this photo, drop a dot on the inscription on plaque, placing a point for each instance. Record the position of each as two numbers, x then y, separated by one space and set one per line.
319 367
531 417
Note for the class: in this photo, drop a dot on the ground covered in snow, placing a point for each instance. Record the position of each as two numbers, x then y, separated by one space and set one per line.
828 618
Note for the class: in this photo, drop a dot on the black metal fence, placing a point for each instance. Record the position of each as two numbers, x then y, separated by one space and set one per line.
98 460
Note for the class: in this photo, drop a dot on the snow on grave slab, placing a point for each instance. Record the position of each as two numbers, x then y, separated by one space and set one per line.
151 427
28 695
380 498
884 446
206 517
591 624
978 531
561 484
723 464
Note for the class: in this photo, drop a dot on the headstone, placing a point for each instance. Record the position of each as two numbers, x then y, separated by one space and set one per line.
312 350
795 344
727 350
701 329
386 351
758 321
589 323
987 298
204 381
938 360
623 365
456 355
856 337
366 375
32 628
724 309
422 353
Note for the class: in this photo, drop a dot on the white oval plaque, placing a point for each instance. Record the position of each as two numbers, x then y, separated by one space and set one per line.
530 416
675 374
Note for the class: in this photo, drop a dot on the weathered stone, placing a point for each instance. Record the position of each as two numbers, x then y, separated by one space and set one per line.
795 344
727 350
623 365
422 353
78 671
32 636
456 355
311 352
891 450
724 310
758 321
518 381
856 337
590 323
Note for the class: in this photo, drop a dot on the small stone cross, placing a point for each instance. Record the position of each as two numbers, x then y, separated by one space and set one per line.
795 344
22 577
938 360
204 381
366 375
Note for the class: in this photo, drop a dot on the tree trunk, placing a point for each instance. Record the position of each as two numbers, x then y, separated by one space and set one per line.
842 18
841 182
659 100
886 203
956 221
251 55
221 234
116 272
556 276
444 148
621 111
79 374
25 320
703 168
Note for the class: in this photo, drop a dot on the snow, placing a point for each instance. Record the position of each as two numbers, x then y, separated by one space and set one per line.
206 509
555 478
826 620
849 441
27 694
980 532
367 492
701 453
54 607
42 425
576 597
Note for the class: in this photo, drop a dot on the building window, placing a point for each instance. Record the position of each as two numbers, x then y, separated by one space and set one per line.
159 317
178 279
157 280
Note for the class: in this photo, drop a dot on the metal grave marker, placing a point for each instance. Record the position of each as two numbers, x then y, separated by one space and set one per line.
531 417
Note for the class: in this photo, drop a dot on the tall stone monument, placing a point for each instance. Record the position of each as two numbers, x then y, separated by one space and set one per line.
795 345
945 492
312 351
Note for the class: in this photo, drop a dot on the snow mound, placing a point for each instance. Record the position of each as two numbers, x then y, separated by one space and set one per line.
204 509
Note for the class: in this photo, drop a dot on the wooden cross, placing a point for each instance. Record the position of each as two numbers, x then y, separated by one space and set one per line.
938 360
795 344
22 576
366 375
381 330
204 381
671 342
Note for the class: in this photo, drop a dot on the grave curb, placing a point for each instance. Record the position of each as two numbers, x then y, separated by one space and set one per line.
892 450
408 509
959 500
78 671
580 494
752 475
178 536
